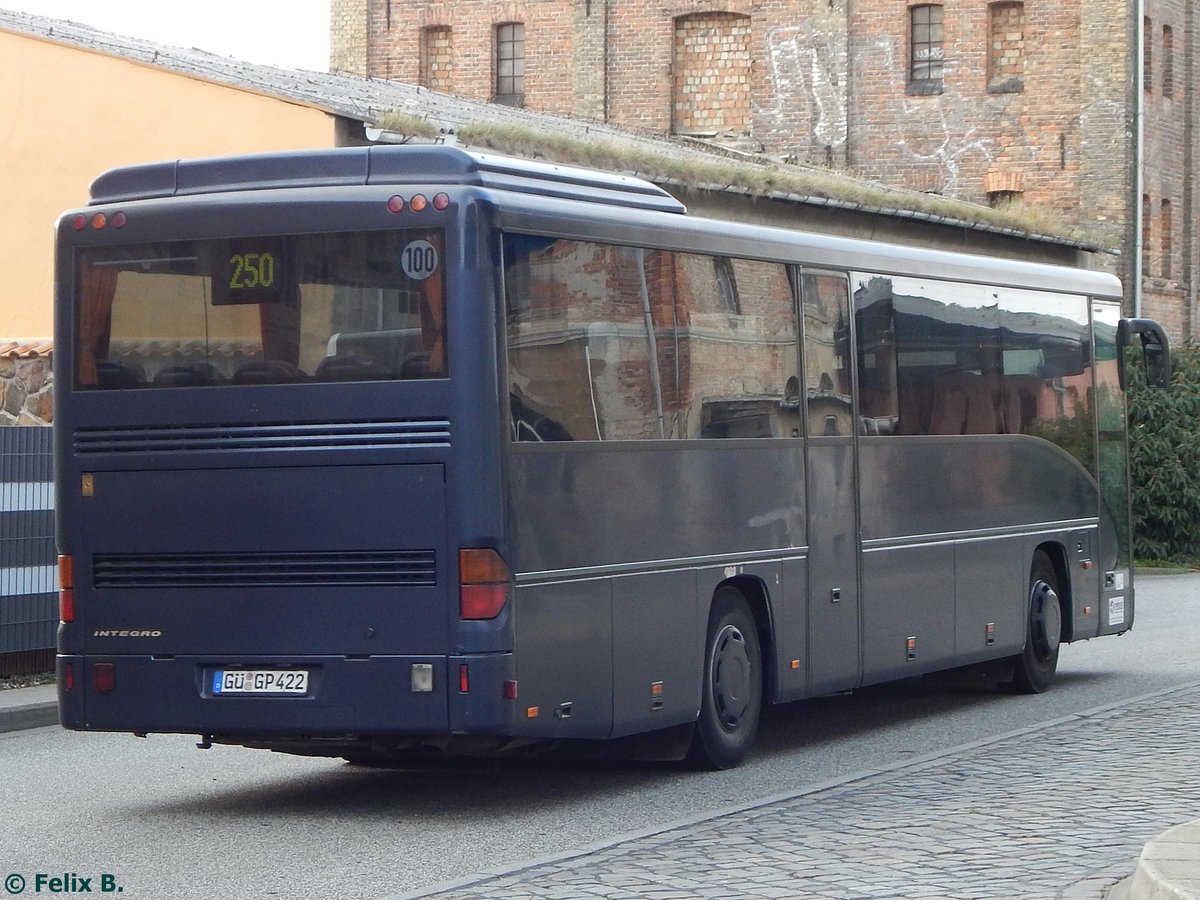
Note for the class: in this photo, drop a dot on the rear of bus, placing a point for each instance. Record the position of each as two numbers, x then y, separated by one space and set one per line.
277 446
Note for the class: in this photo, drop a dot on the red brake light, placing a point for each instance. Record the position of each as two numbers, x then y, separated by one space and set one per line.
483 583
104 677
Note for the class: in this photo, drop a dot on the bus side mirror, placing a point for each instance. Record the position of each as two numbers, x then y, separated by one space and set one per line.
1156 351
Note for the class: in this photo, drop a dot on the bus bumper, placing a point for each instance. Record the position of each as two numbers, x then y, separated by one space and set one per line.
376 695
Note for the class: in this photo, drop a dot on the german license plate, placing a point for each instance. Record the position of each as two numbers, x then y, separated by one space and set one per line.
260 681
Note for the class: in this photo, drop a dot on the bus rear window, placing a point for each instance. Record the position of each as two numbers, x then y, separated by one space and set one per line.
262 310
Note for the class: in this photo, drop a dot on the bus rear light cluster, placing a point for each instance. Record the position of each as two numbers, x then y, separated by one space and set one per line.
98 221
483 579
66 589
418 202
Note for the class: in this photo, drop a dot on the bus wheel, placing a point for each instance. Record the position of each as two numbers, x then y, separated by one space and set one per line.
731 697
1034 668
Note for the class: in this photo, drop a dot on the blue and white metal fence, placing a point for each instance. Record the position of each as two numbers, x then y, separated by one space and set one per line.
28 576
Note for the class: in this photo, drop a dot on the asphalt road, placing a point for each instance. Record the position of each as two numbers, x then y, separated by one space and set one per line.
168 820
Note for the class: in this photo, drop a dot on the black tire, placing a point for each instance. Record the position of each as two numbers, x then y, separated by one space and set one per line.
1034 668
732 688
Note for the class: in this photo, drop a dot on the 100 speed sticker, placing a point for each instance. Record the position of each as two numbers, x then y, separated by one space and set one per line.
419 260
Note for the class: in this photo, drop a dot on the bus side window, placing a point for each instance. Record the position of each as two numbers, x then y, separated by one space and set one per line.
879 404
547 329
825 303
733 371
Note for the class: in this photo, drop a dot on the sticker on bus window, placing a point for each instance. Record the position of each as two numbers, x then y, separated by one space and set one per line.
1116 610
419 259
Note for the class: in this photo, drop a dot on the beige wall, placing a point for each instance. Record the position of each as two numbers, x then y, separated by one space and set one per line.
70 114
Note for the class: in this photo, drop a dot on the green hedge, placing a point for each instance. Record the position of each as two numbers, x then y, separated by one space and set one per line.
1164 462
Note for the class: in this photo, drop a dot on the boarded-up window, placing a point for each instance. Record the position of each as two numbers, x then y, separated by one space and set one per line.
711 90
437 72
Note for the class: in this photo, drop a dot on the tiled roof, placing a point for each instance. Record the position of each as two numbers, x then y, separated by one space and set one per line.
26 349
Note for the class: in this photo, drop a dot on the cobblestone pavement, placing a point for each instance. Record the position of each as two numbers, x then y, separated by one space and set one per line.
1058 811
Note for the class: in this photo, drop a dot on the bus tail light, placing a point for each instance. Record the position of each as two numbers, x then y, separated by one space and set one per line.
66 589
104 677
483 579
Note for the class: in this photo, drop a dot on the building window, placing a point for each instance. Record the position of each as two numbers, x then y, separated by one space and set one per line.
926 56
1006 72
1167 227
510 64
1168 61
727 289
1147 54
437 72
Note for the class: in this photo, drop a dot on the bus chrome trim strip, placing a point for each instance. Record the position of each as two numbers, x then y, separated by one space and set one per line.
979 534
663 565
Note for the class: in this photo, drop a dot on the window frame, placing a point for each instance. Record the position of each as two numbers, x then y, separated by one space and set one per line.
921 36
509 40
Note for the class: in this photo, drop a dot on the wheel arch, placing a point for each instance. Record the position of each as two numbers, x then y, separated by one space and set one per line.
757 596
1056 552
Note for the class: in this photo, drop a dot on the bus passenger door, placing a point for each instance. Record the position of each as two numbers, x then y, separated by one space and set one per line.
834 646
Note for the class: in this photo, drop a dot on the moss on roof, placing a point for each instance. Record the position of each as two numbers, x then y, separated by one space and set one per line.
712 171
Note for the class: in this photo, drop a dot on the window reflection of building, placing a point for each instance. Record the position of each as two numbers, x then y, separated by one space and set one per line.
619 343
948 358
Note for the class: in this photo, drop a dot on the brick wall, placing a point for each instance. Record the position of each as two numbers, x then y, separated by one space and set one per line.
1036 104
982 121
1169 100
348 37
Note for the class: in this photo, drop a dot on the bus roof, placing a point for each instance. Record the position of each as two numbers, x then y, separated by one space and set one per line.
698 234
542 197
426 164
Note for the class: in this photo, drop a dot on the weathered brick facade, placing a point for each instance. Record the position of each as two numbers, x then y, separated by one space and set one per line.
1033 102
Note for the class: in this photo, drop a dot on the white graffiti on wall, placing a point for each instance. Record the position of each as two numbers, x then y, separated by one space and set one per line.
938 140
803 74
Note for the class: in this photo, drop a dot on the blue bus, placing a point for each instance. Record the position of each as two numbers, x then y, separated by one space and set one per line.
385 451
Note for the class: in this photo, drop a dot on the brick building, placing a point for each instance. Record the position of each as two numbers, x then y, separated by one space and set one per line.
1005 102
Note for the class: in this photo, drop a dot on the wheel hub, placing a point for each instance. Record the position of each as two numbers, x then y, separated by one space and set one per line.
731 676
1046 618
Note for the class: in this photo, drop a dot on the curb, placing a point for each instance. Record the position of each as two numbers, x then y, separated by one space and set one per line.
35 707
1169 866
